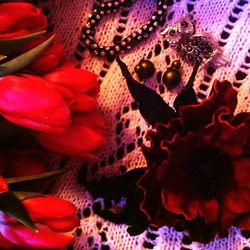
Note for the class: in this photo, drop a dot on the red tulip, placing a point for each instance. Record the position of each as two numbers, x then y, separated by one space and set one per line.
54 217
28 102
24 162
82 138
4 243
51 58
82 83
48 60
19 19
3 185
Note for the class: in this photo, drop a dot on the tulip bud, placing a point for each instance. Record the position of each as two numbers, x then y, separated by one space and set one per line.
54 217
32 104
51 58
48 60
19 19
82 83
77 80
78 141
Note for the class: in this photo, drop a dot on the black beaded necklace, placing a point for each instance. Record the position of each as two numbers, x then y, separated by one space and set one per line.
101 9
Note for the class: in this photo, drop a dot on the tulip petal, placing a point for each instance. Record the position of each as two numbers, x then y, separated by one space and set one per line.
48 60
55 208
75 141
83 103
4 243
18 19
34 125
90 120
77 80
30 103
65 224
45 238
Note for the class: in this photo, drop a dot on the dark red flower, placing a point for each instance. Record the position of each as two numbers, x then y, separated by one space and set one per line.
199 167
19 19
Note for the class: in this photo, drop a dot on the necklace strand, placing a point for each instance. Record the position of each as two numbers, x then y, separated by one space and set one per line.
88 32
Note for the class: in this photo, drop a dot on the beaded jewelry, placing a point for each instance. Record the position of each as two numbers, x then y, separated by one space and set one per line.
88 32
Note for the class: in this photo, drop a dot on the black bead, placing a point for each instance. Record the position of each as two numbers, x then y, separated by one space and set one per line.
171 78
176 64
145 69
101 9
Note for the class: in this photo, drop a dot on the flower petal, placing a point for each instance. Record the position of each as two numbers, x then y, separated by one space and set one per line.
28 123
55 208
244 117
75 141
90 120
77 80
152 204
83 103
237 200
19 19
226 137
199 115
244 222
45 238
48 60
30 103
242 172
4 243
65 224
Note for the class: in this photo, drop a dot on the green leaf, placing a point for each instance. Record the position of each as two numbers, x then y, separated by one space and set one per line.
35 183
9 44
24 59
10 204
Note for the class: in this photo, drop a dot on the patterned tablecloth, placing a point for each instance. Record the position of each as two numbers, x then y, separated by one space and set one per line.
227 21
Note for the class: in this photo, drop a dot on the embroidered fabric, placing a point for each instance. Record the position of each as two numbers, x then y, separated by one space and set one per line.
226 21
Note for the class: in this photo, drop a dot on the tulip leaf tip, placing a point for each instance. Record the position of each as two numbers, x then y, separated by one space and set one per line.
10 204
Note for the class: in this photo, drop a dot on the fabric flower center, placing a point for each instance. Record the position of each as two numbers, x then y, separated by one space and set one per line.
211 170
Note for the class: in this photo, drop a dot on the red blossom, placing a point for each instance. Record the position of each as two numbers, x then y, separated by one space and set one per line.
19 19
82 83
199 167
27 101
54 217
86 133
82 138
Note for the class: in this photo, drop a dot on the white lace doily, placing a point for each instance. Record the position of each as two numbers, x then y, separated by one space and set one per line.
227 21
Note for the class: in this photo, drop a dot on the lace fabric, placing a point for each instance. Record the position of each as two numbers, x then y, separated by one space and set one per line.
226 21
